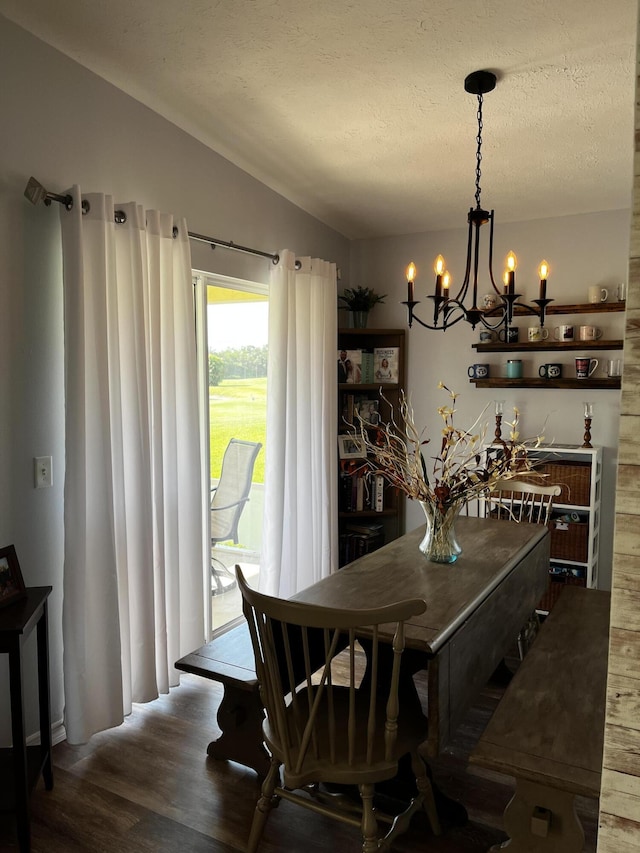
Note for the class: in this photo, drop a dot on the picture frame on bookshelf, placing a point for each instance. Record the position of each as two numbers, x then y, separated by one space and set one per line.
350 366
351 447
385 364
368 411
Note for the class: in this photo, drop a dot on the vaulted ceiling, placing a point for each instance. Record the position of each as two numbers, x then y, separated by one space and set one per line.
356 111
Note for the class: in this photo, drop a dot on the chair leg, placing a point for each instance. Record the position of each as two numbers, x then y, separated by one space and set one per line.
369 823
425 789
222 580
263 807
528 634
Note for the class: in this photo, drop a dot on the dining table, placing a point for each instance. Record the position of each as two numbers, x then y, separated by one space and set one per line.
475 610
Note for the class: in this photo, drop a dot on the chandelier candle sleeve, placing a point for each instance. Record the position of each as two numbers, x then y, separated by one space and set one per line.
439 270
543 271
512 263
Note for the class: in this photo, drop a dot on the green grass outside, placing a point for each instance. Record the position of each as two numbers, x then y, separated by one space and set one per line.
237 409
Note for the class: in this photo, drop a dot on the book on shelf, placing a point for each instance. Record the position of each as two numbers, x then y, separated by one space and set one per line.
385 364
348 408
366 528
378 493
358 490
357 543
367 371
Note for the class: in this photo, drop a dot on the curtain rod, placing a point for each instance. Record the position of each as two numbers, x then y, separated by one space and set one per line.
35 192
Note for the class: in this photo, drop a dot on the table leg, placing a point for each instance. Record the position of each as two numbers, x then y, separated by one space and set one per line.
541 820
44 698
19 747
240 718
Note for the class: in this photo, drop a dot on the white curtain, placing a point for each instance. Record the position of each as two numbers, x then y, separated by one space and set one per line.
300 515
133 569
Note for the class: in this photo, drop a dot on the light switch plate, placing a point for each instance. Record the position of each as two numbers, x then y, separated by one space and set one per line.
43 472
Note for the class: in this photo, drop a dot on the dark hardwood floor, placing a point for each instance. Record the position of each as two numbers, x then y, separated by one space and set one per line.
148 787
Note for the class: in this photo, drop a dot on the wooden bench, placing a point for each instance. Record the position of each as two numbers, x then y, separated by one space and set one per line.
229 659
548 729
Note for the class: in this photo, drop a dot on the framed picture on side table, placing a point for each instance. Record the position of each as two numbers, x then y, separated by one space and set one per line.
351 447
11 584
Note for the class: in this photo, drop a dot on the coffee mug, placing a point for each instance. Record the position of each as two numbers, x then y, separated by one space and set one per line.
486 336
598 294
550 371
537 333
489 301
509 335
614 367
513 368
590 333
478 371
585 367
563 333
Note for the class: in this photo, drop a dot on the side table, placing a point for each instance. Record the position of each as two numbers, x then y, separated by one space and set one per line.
20 765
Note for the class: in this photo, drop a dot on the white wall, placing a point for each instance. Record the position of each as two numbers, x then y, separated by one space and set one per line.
581 250
64 125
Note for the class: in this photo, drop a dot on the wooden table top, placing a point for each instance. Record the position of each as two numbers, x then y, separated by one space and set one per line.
490 551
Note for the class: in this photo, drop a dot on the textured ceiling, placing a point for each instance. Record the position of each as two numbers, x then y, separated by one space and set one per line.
356 111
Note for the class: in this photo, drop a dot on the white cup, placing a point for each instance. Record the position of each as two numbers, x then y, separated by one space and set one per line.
621 291
537 333
614 367
563 333
598 294
590 333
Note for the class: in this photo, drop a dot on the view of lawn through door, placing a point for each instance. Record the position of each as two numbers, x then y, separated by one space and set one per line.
237 330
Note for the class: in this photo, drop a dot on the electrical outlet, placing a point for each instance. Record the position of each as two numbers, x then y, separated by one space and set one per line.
43 472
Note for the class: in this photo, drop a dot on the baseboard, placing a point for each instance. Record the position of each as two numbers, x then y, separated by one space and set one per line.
58 734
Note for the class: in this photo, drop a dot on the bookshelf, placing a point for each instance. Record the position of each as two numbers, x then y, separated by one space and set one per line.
370 513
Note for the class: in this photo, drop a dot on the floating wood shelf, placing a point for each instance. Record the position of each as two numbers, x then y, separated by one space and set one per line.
537 382
549 346
578 308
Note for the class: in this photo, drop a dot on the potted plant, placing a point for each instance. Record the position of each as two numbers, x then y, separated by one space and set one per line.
360 300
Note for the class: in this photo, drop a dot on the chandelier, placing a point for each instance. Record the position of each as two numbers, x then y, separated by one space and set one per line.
449 310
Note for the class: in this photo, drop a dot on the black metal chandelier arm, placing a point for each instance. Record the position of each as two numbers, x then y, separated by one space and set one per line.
443 310
446 324
502 319
523 308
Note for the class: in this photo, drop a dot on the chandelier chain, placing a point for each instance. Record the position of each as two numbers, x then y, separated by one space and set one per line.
479 153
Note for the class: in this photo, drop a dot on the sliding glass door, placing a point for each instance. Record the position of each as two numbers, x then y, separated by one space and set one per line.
236 330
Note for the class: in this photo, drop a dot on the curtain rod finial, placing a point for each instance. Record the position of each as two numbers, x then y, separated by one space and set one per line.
34 191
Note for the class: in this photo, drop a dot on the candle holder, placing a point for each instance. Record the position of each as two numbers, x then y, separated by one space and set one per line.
588 416
499 408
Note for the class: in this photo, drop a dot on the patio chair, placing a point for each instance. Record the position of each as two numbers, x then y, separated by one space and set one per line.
322 734
228 501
